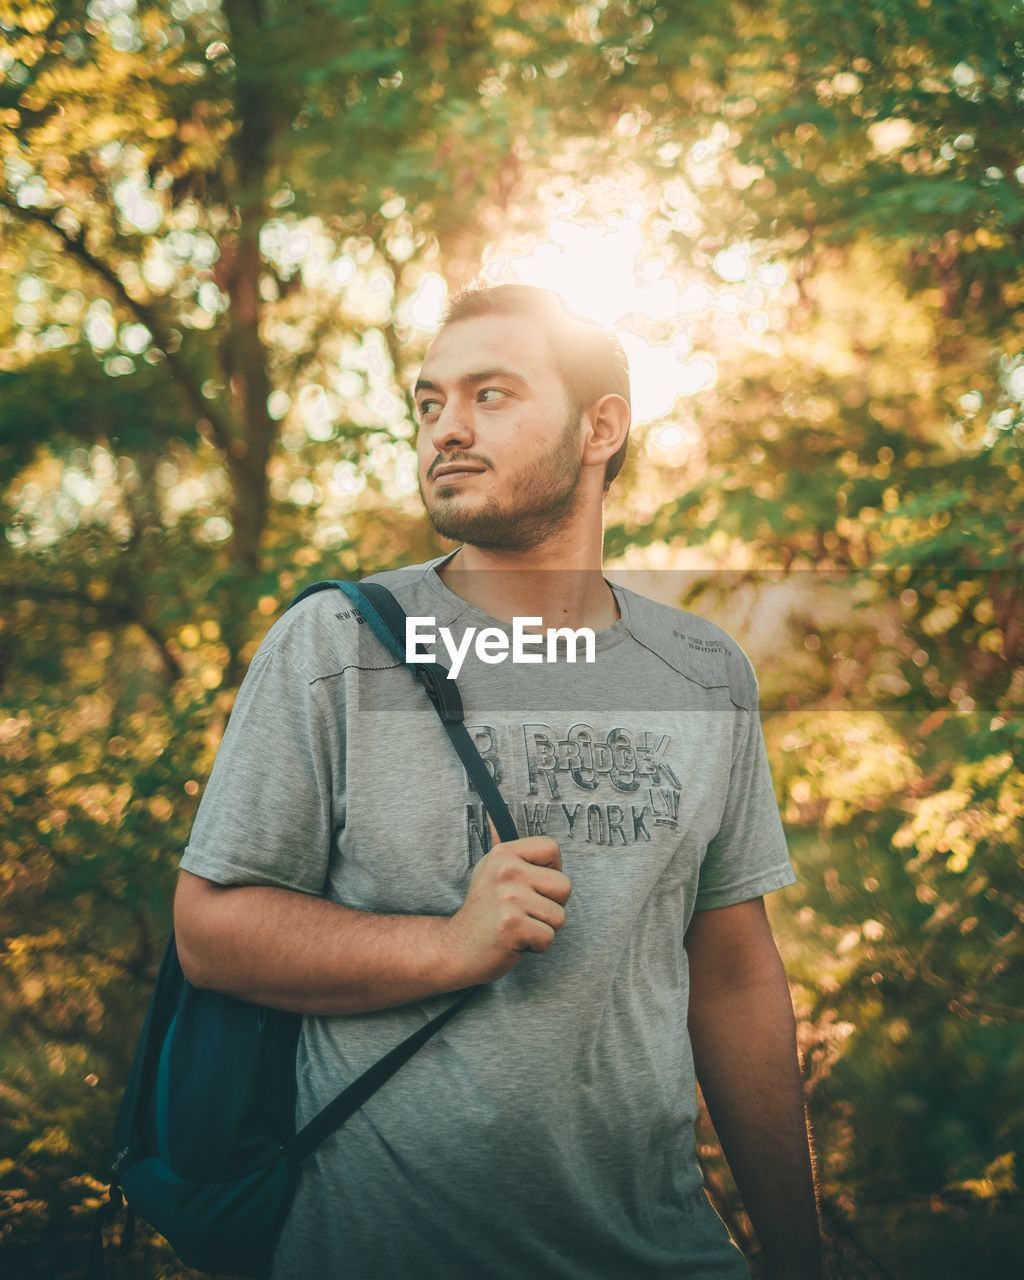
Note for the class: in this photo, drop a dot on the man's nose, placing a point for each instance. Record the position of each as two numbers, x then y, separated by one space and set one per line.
452 428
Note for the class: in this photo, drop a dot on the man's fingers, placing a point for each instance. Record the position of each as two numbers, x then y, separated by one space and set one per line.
540 850
537 936
495 838
516 899
547 911
551 883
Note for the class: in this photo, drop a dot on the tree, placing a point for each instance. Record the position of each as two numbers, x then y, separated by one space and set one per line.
224 227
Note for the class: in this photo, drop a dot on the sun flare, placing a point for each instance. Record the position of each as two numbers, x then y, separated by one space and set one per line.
613 271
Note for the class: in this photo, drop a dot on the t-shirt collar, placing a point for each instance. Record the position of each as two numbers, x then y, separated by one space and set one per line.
458 608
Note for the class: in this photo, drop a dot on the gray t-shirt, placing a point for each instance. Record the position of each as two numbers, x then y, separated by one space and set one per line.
547 1131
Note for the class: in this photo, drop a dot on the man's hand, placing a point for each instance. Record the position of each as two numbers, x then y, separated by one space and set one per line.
515 903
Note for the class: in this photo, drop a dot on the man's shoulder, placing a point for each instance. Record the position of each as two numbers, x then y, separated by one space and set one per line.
694 646
405 579
325 632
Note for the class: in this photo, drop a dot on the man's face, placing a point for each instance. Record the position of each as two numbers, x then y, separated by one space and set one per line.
490 396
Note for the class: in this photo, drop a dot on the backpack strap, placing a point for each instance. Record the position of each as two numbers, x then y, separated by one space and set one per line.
444 693
386 618
352 1097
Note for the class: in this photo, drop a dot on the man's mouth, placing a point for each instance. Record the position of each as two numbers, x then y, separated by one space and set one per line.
455 471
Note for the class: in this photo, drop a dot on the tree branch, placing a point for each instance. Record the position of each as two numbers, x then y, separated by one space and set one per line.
144 312
391 337
117 611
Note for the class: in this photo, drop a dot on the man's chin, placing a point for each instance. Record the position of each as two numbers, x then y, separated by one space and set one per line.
485 531
454 516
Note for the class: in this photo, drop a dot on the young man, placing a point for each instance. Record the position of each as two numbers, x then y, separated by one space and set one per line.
341 865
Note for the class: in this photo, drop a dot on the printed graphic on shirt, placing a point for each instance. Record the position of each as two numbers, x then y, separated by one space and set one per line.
701 644
592 787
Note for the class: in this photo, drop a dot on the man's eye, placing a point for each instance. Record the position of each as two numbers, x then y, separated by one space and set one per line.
498 390
424 406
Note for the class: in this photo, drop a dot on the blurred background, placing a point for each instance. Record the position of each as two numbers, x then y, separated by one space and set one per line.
227 231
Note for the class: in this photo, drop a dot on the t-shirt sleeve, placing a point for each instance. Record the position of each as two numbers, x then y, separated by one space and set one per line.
748 856
266 816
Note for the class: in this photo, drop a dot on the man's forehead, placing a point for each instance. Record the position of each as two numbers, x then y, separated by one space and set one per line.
511 343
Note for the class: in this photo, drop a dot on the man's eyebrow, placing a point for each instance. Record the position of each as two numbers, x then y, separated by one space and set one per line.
481 375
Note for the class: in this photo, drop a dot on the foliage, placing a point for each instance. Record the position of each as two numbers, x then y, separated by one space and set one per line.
221 223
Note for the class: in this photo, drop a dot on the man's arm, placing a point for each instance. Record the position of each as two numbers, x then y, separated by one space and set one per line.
291 950
743 1035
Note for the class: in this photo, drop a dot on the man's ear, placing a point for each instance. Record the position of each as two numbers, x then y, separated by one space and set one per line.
606 425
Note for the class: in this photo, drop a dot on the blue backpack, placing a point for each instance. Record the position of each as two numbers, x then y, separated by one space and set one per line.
205 1140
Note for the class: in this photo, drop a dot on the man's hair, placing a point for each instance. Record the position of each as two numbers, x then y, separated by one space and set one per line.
590 359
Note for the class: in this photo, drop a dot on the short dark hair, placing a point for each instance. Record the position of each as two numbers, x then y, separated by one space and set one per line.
590 359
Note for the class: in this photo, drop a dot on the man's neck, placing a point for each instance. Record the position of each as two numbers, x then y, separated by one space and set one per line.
510 585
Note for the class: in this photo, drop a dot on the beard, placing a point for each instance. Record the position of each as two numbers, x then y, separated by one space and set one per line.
546 495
